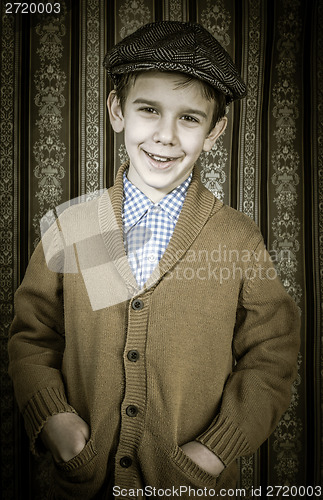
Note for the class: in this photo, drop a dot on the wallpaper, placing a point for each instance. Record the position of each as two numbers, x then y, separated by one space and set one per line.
56 144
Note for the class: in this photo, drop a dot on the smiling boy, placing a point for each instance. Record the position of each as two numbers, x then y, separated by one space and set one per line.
164 388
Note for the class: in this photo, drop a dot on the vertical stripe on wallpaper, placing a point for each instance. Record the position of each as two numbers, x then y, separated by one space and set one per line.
312 140
254 37
10 45
92 105
175 10
287 449
49 130
317 128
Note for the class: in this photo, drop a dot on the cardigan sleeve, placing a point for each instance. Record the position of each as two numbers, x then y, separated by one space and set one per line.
36 346
265 347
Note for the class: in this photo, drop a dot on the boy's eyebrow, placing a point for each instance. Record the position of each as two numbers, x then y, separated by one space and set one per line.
141 100
195 112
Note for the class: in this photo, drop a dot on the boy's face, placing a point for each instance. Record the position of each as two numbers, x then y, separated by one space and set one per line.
166 128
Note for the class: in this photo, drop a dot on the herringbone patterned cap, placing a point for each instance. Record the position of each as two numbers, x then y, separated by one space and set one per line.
177 46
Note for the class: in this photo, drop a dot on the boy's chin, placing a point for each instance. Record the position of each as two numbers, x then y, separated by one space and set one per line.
166 187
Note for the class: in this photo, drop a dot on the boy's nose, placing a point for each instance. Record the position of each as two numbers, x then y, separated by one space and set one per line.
165 132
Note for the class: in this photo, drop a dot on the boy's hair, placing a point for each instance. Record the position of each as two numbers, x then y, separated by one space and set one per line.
127 80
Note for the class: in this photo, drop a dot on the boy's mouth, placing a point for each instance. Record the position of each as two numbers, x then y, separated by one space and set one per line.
161 160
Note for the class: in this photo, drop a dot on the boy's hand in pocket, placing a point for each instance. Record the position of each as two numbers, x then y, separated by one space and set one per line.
203 457
65 436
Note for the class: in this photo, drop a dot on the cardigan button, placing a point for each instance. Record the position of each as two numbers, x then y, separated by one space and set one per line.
133 355
132 411
137 304
125 462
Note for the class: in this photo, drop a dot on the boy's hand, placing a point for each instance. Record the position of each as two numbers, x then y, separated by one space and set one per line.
65 436
203 457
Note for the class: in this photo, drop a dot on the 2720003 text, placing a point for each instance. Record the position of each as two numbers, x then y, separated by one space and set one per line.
294 491
33 8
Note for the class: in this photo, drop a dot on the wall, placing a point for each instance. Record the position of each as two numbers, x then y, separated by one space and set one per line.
56 144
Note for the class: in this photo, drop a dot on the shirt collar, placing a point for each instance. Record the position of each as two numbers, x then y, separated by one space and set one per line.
172 203
136 203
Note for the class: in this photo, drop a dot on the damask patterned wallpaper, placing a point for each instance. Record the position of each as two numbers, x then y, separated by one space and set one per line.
56 143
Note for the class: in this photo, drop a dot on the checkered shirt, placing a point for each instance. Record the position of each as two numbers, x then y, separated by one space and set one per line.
148 226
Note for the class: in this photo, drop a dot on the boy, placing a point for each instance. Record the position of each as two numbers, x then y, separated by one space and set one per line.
137 304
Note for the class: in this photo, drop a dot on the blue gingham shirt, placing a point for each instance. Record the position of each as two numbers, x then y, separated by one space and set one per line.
148 226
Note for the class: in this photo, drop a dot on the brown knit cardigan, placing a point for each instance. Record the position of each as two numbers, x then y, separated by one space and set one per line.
215 337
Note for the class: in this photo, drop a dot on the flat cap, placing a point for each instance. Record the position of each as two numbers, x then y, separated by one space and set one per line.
186 47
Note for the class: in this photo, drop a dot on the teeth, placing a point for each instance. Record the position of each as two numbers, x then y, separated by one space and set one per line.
159 158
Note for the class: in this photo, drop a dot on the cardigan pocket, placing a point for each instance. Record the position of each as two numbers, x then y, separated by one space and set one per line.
191 470
81 467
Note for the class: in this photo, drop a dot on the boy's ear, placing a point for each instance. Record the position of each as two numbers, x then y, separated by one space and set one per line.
214 134
115 112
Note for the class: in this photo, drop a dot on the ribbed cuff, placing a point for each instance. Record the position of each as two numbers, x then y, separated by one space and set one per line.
225 440
44 404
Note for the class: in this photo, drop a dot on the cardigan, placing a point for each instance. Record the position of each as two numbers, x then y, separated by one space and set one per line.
205 351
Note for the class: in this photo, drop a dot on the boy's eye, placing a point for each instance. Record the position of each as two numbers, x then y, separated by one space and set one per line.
148 110
189 118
